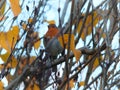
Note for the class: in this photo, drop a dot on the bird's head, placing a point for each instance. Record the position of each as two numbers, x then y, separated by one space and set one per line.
52 29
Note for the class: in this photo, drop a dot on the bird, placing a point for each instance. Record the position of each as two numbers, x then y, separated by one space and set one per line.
51 42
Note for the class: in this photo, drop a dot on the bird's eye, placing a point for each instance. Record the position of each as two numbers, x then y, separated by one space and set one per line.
53 26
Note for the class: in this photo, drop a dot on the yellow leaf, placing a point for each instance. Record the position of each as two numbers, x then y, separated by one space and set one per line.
1 86
32 59
5 56
37 44
104 35
2 9
3 43
8 39
77 54
12 36
30 20
13 61
1 66
88 24
71 84
33 87
65 39
96 62
24 26
36 87
50 22
82 83
15 7
64 42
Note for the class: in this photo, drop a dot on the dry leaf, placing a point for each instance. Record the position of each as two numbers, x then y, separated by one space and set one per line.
32 59
50 22
104 35
33 87
77 54
24 26
37 44
65 39
15 7
30 20
64 42
8 39
82 83
2 9
88 24
1 66
71 84
36 87
13 61
1 85
96 62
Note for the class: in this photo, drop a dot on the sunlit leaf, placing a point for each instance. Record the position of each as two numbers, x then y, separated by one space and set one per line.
1 85
64 41
71 84
3 43
13 61
30 20
37 44
82 83
50 22
1 66
2 10
12 36
24 26
88 24
96 62
36 87
15 7
32 59
104 35
77 54
8 39
33 87
5 56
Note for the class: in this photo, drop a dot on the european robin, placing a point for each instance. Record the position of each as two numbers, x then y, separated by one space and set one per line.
51 43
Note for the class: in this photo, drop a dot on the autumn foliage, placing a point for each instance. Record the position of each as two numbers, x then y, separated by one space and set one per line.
89 59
